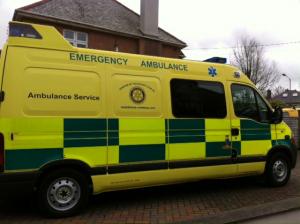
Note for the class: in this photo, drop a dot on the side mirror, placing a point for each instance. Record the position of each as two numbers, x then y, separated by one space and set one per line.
277 115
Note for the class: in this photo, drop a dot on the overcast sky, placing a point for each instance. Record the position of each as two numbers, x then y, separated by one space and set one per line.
217 24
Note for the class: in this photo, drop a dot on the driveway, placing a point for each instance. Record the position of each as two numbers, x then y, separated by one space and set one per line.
205 201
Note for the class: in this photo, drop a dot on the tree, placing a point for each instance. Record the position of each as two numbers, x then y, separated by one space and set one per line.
278 90
248 56
277 103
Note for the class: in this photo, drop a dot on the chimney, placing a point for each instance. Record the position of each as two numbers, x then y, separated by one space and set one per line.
149 17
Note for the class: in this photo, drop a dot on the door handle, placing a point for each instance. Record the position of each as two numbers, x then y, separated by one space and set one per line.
235 131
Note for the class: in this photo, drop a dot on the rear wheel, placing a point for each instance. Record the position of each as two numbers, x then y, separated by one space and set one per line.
278 170
63 193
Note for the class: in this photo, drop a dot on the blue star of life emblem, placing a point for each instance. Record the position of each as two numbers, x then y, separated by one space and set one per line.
212 71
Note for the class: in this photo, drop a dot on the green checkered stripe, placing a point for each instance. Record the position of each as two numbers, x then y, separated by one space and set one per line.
193 131
184 130
282 142
85 132
91 132
252 131
23 159
105 132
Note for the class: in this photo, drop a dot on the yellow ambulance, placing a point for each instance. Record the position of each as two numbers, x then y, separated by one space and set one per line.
75 122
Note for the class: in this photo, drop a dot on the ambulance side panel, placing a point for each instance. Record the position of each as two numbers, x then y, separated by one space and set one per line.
43 96
167 148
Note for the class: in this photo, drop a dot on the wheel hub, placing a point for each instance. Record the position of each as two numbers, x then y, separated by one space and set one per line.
280 170
63 194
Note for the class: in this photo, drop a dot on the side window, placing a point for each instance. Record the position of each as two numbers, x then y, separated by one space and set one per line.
197 99
264 111
247 103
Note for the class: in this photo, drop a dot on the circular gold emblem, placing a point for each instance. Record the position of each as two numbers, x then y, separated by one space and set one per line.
137 95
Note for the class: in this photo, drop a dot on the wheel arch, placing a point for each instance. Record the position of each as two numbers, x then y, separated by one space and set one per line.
281 149
66 164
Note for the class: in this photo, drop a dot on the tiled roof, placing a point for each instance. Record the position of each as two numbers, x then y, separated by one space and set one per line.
289 97
109 15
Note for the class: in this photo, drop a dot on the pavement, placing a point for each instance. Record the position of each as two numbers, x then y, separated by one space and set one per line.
217 201
290 217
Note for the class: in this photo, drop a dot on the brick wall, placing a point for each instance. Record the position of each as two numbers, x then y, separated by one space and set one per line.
170 51
293 123
106 41
150 47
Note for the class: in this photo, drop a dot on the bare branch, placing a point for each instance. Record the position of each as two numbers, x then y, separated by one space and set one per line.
249 57
278 91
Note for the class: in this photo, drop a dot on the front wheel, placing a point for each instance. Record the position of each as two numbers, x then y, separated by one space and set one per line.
278 170
63 193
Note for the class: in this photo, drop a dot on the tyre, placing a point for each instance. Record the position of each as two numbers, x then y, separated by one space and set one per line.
278 170
63 193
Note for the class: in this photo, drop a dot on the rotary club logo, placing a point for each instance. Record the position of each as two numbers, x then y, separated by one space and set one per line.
137 95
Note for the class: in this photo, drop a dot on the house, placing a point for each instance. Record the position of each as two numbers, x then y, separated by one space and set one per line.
291 98
106 25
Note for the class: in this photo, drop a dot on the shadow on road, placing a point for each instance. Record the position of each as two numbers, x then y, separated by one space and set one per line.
25 205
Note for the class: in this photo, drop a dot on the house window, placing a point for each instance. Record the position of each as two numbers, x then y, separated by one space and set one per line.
77 39
295 94
285 95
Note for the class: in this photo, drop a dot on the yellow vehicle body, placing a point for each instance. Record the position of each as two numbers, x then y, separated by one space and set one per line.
110 113
292 112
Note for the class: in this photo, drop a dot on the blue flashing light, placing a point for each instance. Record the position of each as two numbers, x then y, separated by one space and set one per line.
217 60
